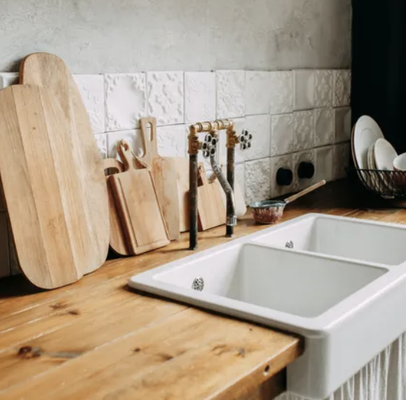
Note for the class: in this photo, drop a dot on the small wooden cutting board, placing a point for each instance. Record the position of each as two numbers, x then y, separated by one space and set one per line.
137 203
165 177
211 206
43 188
50 72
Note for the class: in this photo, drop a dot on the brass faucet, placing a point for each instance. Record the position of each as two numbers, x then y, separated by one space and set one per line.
209 147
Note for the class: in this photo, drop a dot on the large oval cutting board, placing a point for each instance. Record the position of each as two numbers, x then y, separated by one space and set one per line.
43 188
50 72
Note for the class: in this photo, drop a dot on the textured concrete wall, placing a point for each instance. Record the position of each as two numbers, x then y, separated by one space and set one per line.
132 35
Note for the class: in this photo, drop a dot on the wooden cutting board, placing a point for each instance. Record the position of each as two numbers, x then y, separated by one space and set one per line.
117 238
211 206
43 188
137 202
181 166
165 177
50 72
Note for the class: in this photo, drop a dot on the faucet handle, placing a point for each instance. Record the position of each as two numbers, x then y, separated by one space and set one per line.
245 140
209 146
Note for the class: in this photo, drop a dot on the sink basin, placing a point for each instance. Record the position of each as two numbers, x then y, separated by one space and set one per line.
342 237
346 303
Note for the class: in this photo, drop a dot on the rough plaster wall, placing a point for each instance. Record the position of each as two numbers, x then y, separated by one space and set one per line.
133 35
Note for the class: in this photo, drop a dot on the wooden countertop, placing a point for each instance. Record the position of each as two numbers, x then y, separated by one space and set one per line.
97 339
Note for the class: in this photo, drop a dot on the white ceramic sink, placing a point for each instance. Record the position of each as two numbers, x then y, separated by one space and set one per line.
343 237
346 302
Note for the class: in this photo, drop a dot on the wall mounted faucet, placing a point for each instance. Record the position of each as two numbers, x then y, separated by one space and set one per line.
209 148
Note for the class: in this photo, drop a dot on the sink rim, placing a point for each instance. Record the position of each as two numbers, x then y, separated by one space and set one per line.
312 327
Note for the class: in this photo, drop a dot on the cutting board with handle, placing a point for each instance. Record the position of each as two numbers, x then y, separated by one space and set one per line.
211 206
165 177
138 207
43 188
117 237
240 206
50 72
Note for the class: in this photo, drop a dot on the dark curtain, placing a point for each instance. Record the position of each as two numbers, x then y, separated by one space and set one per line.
379 66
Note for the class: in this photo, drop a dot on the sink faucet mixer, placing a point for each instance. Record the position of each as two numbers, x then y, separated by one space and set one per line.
209 148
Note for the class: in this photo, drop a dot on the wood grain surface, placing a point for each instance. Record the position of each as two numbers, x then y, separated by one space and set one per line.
43 192
165 176
97 339
50 72
137 203
211 204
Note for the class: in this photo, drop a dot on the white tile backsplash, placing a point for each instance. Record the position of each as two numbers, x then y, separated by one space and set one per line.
303 89
281 89
323 126
257 92
230 94
257 182
125 97
260 127
172 140
323 88
283 138
165 94
200 96
342 88
91 88
294 116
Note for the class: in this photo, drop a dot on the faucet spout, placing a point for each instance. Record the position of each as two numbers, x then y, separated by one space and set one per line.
231 214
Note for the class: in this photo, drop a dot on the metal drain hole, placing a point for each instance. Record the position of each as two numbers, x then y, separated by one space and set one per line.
198 284
289 245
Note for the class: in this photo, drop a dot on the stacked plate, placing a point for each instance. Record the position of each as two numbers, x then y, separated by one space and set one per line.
371 151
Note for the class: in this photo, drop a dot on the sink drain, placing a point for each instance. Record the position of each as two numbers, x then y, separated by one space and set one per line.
198 284
289 245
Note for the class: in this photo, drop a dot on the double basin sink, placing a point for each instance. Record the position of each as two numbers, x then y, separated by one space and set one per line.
338 282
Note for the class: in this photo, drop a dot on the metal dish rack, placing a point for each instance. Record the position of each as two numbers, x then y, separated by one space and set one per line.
387 184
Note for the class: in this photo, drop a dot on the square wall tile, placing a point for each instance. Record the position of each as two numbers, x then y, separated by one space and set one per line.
166 97
239 125
133 137
341 160
308 156
172 140
4 251
323 126
257 180
342 124
101 141
257 92
125 97
8 79
304 130
200 96
342 88
260 128
323 88
91 88
230 94
324 163
281 87
277 163
303 89
283 139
